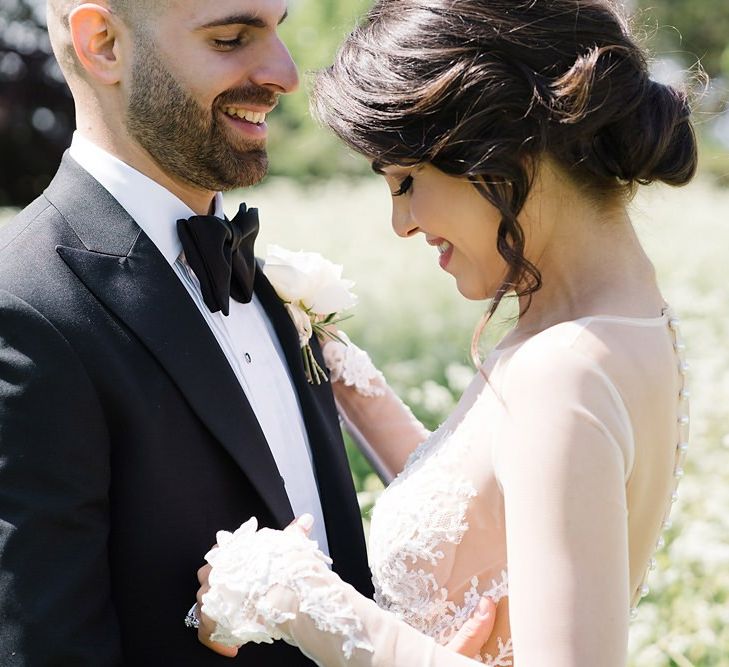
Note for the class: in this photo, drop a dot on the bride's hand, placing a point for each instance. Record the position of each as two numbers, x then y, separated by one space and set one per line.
474 634
469 640
206 628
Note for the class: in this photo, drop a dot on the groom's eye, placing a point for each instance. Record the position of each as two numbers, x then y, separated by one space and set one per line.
228 44
405 185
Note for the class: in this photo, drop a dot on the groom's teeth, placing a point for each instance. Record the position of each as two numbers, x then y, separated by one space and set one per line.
256 117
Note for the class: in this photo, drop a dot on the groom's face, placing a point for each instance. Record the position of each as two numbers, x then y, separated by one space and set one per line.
202 78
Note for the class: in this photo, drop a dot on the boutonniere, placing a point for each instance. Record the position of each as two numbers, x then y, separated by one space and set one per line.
315 296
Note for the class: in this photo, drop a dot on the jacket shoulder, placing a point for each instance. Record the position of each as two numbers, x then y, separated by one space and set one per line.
28 242
38 216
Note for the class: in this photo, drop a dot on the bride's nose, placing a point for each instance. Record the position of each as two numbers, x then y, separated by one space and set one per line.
403 224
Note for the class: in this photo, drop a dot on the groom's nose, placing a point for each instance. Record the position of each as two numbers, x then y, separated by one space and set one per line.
276 69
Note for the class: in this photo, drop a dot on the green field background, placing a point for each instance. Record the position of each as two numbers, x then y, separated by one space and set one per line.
418 328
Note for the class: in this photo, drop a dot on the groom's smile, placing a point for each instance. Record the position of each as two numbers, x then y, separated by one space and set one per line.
246 119
203 81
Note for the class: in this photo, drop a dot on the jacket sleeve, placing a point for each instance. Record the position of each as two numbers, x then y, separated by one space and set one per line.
55 601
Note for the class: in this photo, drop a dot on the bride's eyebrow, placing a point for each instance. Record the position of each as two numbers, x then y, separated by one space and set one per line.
244 18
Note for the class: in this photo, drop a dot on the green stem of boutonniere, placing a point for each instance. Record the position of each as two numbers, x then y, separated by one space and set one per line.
314 372
320 327
322 332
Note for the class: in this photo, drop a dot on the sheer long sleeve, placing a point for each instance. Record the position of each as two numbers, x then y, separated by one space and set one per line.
378 419
563 458
271 585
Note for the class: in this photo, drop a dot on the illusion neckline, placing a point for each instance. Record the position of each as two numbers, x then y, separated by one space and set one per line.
661 319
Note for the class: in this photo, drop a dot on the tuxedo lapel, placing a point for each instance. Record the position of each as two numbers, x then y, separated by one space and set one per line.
124 270
334 478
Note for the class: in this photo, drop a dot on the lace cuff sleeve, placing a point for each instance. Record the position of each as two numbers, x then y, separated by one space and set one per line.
262 579
270 584
352 366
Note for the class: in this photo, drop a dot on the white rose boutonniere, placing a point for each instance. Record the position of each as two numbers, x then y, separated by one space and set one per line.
315 295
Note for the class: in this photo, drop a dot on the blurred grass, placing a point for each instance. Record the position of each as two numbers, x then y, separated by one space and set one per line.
417 328
714 160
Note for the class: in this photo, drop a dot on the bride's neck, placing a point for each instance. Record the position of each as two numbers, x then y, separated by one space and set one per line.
589 257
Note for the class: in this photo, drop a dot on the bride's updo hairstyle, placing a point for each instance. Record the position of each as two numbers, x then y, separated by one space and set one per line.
482 89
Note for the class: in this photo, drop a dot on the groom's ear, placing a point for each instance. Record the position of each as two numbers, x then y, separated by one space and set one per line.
95 33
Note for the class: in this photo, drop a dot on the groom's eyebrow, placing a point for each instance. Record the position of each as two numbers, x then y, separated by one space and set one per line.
243 18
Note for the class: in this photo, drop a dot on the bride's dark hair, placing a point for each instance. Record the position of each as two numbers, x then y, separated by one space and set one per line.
482 89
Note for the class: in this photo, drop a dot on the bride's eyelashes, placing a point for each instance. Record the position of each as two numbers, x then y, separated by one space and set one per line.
404 187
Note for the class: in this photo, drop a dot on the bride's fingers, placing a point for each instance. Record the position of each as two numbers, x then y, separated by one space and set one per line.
475 632
203 635
203 573
207 626
304 524
206 629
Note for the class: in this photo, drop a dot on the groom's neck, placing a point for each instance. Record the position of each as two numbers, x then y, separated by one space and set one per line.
124 148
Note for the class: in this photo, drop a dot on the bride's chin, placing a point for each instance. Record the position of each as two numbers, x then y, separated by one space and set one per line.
473 293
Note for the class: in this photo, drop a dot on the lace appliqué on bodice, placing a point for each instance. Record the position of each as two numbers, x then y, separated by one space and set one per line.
419 516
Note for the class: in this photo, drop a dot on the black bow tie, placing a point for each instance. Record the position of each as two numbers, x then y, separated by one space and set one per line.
220 252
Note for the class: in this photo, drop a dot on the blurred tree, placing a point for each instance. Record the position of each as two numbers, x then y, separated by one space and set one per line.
692 30
36 109
299 148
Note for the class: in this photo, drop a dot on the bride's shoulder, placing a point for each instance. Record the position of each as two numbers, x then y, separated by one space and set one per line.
610 345
566 359
561 345
597 366
561 382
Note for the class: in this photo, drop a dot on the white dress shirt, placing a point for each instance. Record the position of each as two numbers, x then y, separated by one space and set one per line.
246 335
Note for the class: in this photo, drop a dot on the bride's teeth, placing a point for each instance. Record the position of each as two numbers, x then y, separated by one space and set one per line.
444 247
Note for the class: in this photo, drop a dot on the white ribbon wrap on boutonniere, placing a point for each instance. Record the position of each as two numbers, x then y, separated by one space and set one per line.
314 294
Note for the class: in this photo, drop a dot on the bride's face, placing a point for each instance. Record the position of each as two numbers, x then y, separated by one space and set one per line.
452 216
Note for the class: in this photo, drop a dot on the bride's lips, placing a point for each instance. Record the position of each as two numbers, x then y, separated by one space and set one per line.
445 257
445 248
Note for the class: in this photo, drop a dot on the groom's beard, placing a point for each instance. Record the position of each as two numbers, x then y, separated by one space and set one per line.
186 141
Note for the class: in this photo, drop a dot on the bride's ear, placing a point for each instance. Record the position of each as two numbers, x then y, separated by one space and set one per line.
95 33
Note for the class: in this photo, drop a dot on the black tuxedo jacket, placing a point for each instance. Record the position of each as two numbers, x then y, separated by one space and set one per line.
126 442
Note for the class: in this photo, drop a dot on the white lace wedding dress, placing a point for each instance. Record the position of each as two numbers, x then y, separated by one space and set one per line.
560 469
